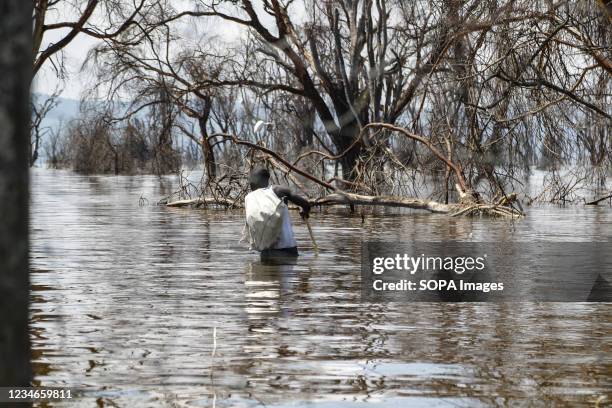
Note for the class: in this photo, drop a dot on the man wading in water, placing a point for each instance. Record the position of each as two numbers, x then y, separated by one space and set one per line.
268 225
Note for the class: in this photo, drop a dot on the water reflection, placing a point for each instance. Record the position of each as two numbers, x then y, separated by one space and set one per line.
128 302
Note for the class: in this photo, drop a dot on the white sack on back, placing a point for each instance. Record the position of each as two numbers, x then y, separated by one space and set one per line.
263 217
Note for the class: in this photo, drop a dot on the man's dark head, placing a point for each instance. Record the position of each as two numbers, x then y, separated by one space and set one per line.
259 178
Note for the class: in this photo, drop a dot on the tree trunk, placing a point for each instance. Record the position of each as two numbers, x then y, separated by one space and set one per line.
34 148
207 151
307 117
16 66
209 159
343 140
386 201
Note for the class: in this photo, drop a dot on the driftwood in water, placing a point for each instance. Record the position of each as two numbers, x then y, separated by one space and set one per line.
387 201
597 201
350 199
501 209
203 201
334 199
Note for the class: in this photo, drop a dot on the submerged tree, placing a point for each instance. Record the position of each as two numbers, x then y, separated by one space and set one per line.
57 23
461 93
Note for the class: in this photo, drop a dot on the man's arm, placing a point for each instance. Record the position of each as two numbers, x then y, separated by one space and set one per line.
284 192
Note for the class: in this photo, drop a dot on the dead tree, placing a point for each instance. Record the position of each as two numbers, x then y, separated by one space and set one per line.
352 61
470 202
37 130
96 19
495 86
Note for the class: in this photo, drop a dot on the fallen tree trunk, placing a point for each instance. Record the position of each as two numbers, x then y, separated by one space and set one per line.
335 199
387 201
204 201
597 201
351 200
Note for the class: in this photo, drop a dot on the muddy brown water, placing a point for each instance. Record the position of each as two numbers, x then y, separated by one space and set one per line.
126 300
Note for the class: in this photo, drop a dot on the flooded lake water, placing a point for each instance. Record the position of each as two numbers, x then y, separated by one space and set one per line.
153 306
